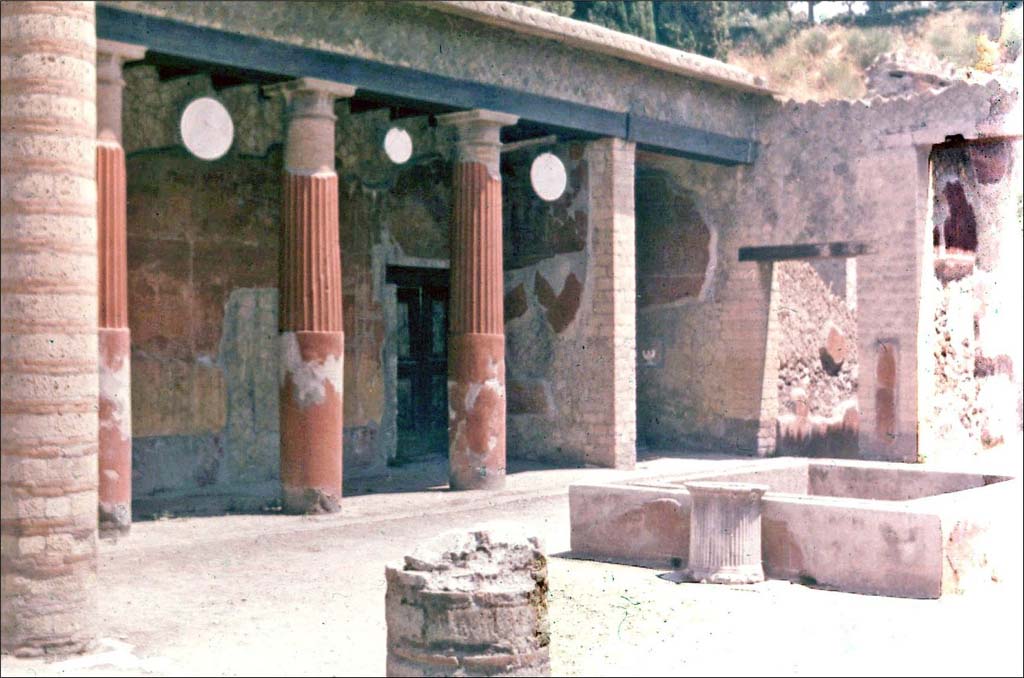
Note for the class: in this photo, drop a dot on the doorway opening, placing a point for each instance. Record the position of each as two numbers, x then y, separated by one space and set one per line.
422 351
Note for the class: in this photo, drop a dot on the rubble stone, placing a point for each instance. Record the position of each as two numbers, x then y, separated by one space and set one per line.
469 603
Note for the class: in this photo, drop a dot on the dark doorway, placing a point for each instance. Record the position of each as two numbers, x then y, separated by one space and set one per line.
422 348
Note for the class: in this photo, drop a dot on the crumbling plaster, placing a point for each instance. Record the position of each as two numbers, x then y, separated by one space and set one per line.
839 171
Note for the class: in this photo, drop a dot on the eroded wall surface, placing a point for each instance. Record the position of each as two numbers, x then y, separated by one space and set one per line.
974 371
839 171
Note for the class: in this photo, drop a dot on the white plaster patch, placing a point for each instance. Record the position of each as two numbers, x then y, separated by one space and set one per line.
115 387
491 384
309 378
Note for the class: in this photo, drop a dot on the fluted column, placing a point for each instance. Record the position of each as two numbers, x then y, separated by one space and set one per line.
312 337
476 333
725 532
115 453
50 389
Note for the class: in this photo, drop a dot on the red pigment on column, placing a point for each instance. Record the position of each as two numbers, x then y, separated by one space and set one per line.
476 352
312 345
115 442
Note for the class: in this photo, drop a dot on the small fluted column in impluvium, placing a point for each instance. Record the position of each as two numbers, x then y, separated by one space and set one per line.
476 334
469 604
115 454
312 340
725 532
50 388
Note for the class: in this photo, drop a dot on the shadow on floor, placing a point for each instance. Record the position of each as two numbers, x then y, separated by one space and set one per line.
650 454
426 475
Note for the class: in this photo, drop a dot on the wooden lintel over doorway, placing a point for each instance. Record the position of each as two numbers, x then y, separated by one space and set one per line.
815 250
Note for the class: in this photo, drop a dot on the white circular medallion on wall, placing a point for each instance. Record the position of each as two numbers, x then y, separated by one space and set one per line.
398 145
206 128
547 175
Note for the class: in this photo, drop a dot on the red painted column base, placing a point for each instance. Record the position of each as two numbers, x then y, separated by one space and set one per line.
115 439
476 405
312 372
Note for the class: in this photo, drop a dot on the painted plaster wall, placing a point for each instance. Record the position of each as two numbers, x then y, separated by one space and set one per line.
203 286
203 243
681 356
548 285
418 37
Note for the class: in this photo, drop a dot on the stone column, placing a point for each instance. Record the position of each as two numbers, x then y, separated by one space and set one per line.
115 455
469 604
476 333
725 532
50 388
312 340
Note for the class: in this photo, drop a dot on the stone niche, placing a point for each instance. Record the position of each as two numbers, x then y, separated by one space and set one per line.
673 242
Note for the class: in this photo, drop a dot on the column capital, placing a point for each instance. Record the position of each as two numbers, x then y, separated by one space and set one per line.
309 130
111 56
479 136
310 97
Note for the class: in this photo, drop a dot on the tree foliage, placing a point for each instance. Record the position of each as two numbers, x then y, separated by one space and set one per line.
700 27
694 26
635 18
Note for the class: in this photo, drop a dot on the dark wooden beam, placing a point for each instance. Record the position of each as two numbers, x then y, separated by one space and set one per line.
423 90
804 251
666 137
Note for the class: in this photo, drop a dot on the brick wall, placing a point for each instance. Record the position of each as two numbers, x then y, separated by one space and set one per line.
610 401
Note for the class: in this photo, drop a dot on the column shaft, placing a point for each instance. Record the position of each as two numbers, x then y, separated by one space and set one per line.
476 344
48 439
115 450
312 345
312 337
725 532
476 347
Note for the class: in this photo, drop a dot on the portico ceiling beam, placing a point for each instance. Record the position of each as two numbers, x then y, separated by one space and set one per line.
818 250
175 38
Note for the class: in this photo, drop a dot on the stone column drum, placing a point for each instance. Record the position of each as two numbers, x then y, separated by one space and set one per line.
310 321
476 334
115 454
48 311
725 532
470 604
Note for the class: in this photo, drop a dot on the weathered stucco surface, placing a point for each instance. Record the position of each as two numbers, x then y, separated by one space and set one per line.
203 250
974 372
840 171
204 287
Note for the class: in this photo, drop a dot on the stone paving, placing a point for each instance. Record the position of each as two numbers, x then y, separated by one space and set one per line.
267 594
